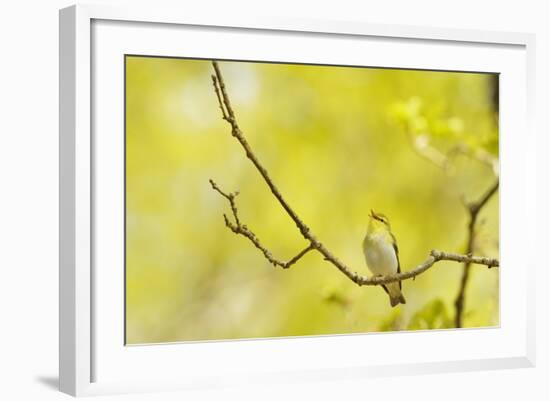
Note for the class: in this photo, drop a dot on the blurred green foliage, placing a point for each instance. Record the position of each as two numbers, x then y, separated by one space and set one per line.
337 142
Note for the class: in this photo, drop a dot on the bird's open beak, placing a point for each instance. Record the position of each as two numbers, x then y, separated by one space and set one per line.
372 215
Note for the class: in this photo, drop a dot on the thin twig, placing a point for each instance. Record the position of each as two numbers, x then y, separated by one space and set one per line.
473 208
224 114
243 230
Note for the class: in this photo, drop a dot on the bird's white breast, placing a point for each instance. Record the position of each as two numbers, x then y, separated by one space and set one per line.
380 255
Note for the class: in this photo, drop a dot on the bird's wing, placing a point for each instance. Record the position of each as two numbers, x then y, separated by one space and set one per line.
396 249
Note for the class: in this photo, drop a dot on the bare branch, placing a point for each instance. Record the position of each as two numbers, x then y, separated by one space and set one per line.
220 102
421 145
455 257
435 256
314 244
231 198
444 161
236 132
473 208
243 230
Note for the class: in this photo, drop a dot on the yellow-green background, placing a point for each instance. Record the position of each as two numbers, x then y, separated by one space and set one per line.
336 141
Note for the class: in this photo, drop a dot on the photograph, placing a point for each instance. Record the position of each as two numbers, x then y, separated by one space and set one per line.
268 199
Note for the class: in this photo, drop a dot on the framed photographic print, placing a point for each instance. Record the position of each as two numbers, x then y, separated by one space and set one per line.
269 201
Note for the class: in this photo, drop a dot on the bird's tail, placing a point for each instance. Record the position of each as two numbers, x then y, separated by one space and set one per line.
396 296
394 301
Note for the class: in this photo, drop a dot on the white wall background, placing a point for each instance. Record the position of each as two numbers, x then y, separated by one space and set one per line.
29 200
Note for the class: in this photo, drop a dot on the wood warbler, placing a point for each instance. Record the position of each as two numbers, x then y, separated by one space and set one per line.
382 254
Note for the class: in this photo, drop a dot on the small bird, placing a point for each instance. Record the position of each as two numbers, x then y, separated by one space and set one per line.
382 254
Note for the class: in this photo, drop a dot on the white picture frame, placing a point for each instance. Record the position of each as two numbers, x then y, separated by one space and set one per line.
93 360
